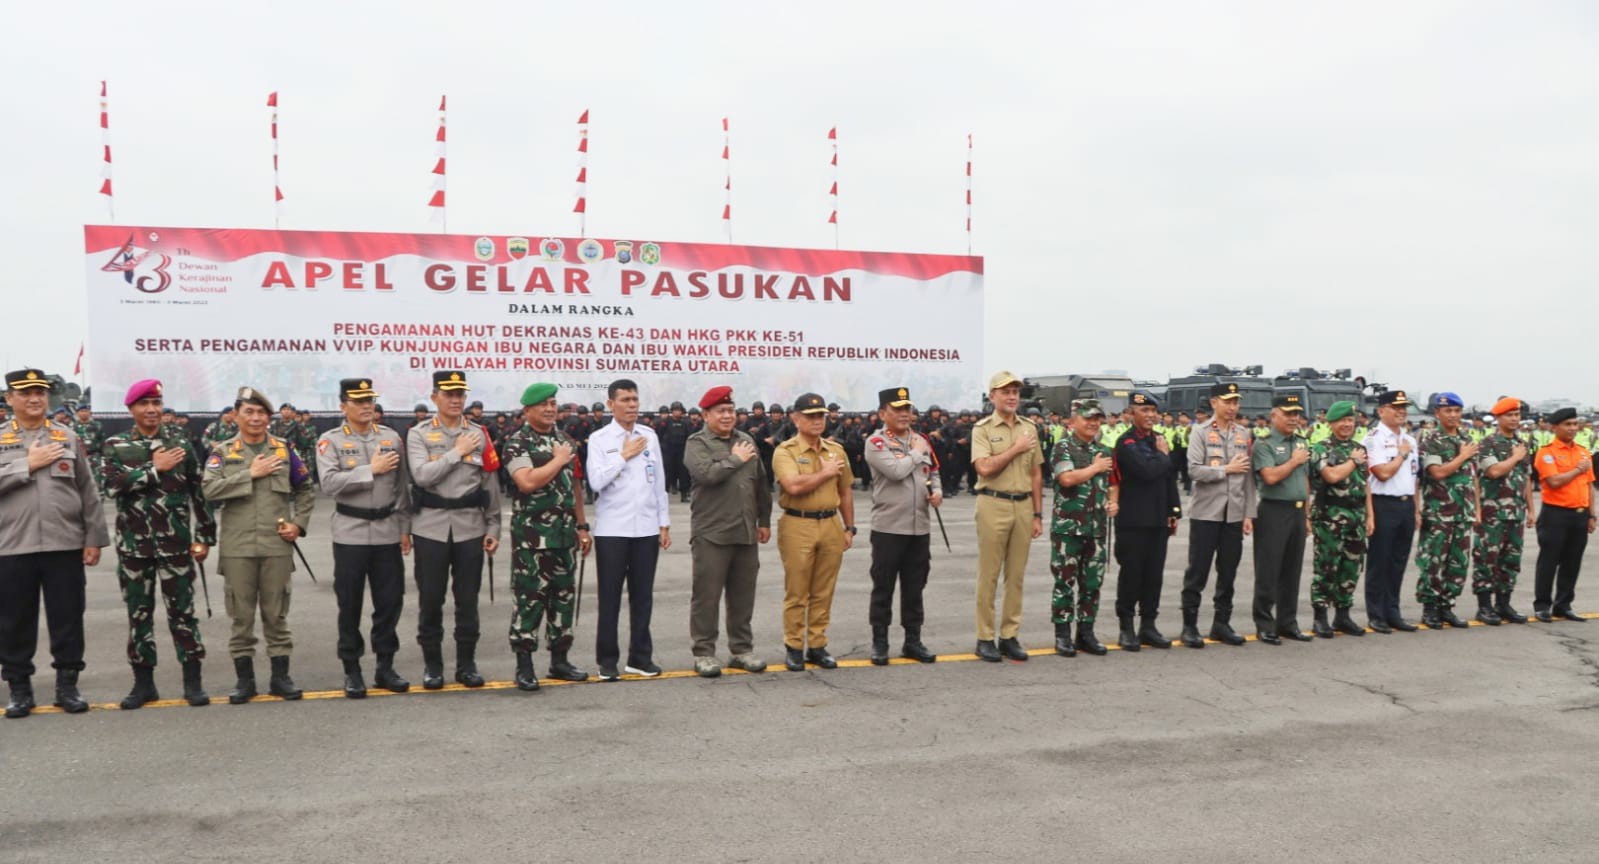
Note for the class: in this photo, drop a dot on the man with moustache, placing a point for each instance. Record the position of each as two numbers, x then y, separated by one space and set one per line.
1145 521
1220 514
632 526
153 476
455 521
547 524
1340 519
1505 465
264 498
817 526
905 485
51 528
1281 463
1085 501
370 484
729 515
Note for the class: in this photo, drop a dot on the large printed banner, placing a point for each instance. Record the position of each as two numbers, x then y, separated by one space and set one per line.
292 312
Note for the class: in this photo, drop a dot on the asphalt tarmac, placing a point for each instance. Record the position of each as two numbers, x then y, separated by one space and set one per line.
1458 746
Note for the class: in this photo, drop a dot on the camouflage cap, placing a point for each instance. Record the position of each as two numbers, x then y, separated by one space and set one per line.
1087 408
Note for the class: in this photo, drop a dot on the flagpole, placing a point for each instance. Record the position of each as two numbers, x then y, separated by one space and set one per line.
105 146
437 202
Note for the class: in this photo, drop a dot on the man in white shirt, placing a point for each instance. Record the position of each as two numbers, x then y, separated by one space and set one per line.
631 527
1391 458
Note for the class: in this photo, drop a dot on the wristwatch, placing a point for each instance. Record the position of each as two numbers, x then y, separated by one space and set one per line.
1037 515
851 529
582 526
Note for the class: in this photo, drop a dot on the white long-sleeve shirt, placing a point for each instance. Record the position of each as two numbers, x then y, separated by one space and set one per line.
1382 445
630 494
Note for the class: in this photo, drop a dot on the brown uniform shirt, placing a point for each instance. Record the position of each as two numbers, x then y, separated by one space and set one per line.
793 457
990 436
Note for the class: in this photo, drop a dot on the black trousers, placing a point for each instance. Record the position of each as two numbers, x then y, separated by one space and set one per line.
1387 553
630 562
1210 540
1141 554
59 577
1562 537
1279 559
436 562
1179 463
676 470
354 567
905 559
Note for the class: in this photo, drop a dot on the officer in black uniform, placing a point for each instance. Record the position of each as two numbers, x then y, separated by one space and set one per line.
673 432
1148 517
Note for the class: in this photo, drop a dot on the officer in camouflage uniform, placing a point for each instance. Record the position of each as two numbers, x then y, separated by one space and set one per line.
1084 502
1338 521
1448 513
1505 464
546 523
153 475
220 429
92 434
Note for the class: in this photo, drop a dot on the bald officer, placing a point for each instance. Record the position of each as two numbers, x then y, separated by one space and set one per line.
817 525
51 528
1010 488
456 522
362 469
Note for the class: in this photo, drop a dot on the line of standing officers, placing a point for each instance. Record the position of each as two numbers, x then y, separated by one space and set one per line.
434 492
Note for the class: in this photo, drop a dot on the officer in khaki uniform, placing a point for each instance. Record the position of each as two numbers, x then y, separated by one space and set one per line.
362 469
456 522
264 495
813 474
1010 488
51 527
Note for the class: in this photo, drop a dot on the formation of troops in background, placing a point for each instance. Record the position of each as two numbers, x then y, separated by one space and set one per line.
1359 496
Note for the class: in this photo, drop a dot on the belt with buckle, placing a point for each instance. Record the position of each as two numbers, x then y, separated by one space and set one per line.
811 514
1395 497
1008 496
371 514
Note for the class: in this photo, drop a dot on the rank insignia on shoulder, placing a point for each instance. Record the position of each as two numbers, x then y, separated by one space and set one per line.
322 446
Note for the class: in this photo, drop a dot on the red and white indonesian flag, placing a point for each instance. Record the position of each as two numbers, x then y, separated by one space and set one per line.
292 312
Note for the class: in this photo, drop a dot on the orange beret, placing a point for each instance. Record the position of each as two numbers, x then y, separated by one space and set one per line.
1506 405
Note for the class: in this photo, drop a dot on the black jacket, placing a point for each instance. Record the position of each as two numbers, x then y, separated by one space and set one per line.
1148 482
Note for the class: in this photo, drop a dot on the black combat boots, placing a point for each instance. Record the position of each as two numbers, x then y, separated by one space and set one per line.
354 683
143 689
913 647
1321 628
1148 635
1129 634
879 646
1486 613
1087 641
466 665
193 691
67 696
21 704
1190 636
1221 629
432 667
1344 623
563 670
280 684
526 678
387 678
1063 641
244 690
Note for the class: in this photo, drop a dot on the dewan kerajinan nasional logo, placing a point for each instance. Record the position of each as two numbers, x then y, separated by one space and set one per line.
144 269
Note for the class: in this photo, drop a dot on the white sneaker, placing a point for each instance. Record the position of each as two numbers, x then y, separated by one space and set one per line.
648 670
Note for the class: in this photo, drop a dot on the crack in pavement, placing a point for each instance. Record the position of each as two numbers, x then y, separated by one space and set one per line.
1393 698
1577 647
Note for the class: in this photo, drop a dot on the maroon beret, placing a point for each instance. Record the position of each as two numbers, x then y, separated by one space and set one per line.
719 395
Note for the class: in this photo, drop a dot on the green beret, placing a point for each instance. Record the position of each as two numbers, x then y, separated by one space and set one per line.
536 393
1340 410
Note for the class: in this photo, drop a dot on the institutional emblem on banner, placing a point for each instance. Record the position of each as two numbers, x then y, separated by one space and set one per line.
484 249
553 249
624 251
144 269
590 250
517 247
650 253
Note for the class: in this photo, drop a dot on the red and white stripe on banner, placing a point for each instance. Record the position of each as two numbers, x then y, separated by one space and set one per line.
582 206
105 158
277 187
727 183
436 203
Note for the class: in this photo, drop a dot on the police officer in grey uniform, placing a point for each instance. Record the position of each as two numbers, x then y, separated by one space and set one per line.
456 521
360 466
905 484
51 527
1221 512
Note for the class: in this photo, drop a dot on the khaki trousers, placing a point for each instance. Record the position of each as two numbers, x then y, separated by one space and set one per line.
722 570
248 583
812 550
1004 535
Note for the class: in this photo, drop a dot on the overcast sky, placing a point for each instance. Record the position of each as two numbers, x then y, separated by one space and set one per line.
1410 189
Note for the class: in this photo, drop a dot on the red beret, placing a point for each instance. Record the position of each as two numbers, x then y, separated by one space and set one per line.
719 395
142 389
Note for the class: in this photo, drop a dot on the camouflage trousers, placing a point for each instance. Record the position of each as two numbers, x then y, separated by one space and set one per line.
1442 556
1079 567
1496 556
139 578
1338 557
544 582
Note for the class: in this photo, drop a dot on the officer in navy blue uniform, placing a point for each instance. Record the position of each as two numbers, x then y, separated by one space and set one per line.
1148 514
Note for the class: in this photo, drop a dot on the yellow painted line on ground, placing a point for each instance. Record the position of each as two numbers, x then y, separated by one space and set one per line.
675 673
